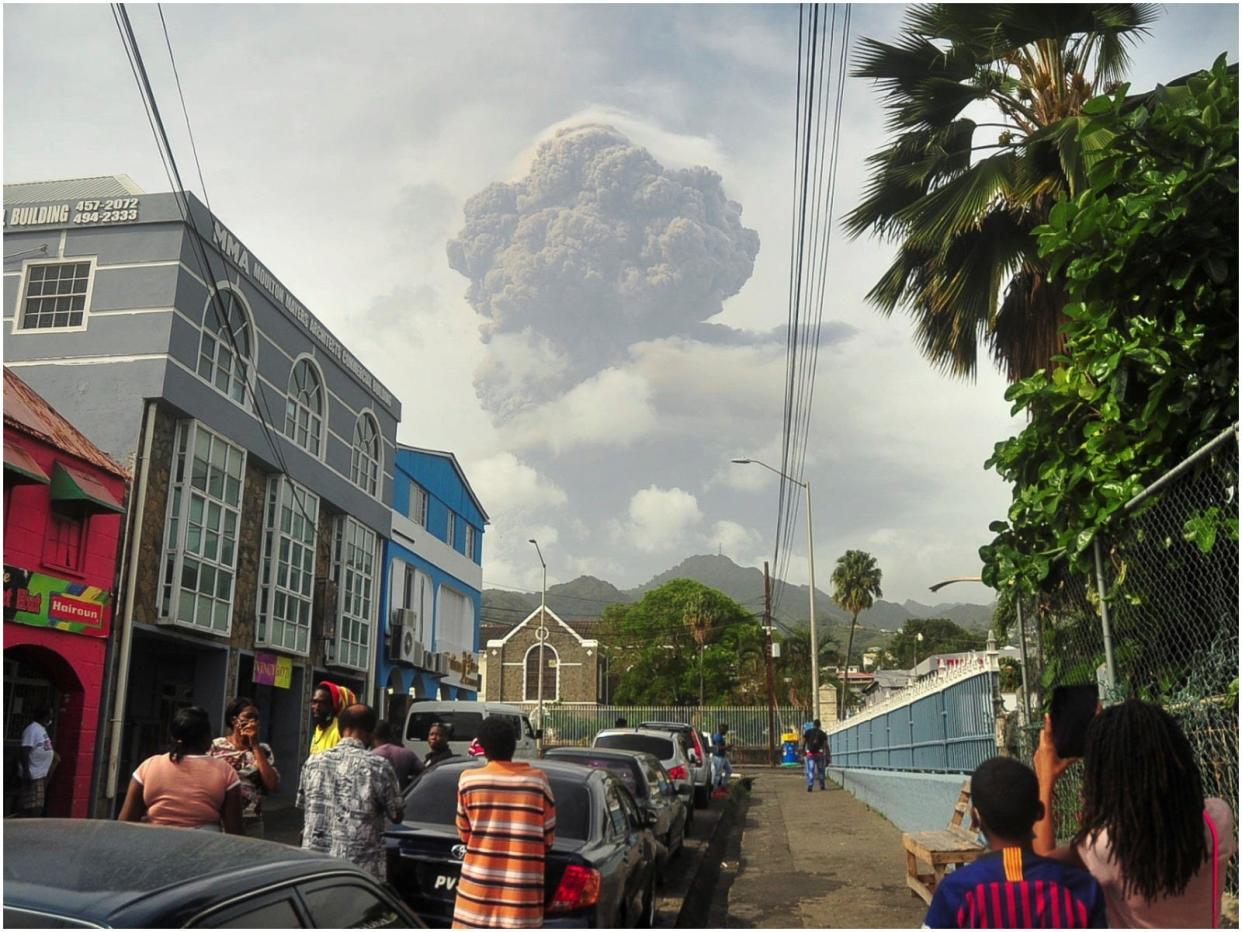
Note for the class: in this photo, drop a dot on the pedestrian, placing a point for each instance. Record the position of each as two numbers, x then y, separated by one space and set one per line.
817 755
438 742
506 817
1158 848
405 763
348 795
253 760
326 704
186 788
37 761
721 768
1012 887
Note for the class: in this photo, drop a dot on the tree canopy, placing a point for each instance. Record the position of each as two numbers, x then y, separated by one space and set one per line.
940 636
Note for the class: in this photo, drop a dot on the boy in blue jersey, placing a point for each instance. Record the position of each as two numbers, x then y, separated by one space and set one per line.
1011 887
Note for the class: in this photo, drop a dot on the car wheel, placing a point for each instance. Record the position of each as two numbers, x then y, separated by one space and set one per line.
701 797
648 917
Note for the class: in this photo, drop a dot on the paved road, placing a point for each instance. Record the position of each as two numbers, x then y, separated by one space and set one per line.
817 860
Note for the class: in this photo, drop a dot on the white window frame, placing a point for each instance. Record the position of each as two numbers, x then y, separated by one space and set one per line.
471 535
178 546
19 318
296 408
450 529
290 526
250 364
354 569
528 686
418 516
370 460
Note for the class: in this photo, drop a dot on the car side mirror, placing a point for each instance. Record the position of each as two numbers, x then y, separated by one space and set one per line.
694 759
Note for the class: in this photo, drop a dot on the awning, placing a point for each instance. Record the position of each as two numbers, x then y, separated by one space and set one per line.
76 485
22 465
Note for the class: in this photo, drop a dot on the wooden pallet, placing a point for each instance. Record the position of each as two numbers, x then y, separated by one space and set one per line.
951 846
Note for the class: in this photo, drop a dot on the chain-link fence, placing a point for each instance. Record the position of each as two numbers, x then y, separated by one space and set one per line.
1169 574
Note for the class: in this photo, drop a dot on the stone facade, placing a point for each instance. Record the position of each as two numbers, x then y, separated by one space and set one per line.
577 673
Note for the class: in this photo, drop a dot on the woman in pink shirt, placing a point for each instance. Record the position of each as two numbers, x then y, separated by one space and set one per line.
1159 850
186 788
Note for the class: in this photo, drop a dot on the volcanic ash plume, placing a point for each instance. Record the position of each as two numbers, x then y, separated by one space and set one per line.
597 248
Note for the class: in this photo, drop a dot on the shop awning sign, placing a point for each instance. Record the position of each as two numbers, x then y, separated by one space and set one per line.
52 602
273 670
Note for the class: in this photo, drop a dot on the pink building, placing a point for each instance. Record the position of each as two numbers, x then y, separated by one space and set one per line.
63 513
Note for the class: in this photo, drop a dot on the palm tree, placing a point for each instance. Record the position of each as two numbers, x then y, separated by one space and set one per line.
855 583
700 617
961 197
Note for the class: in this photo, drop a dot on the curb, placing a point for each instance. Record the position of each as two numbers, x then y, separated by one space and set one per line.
696 909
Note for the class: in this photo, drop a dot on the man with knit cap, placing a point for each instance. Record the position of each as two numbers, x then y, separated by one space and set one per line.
327 702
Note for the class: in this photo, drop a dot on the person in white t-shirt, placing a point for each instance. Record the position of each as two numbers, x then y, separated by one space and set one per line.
37 761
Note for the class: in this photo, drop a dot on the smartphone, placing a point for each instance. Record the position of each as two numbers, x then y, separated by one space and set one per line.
1073 707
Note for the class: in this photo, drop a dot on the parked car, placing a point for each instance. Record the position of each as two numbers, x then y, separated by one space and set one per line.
647 780
91 873
669 747
600 873
463 718
700 762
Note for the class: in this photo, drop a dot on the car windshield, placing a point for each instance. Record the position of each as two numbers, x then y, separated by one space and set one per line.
433 798
660 747
463 726
624 770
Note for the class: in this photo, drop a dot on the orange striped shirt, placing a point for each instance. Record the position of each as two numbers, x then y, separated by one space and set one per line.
506 817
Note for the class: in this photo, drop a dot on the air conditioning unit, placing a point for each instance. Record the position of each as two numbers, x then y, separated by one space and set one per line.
403 646
439 663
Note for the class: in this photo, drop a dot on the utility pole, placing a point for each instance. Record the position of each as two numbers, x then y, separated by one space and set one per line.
767 631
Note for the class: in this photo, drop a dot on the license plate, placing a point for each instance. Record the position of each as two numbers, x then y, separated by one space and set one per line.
439 881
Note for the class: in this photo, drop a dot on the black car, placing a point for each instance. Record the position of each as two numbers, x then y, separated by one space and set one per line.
90 873
644 776
600 873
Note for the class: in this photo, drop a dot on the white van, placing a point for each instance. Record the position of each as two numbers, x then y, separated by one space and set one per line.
463 718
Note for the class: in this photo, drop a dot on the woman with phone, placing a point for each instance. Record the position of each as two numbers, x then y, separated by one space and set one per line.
1146 833
253 760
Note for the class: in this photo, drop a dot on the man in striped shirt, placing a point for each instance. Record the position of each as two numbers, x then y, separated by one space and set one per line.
506 817
1011 887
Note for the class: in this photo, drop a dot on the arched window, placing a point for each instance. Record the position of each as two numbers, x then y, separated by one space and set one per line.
551 672
364 469
304 407
221 361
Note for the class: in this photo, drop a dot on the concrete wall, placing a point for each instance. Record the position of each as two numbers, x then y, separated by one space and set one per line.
914 802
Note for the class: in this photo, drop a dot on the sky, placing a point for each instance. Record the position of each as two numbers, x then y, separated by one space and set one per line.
560 234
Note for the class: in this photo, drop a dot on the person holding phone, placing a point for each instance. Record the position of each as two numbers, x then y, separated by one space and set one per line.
1159 849
253 760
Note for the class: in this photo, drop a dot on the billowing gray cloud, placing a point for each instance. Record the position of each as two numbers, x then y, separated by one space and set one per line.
597 248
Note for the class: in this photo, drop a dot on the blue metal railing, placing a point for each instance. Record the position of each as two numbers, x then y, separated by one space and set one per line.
948 731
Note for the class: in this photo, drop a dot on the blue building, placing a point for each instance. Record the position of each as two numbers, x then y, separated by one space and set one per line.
432 583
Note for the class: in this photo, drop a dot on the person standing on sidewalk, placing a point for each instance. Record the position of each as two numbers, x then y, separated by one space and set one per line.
37 762
405 763
326 704
253 760
438 744
347 794
721 769
506 817
817 755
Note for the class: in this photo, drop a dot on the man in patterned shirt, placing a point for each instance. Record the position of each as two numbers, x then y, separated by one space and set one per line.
348 795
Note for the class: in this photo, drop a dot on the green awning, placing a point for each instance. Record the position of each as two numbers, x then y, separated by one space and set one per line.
22 466
75 485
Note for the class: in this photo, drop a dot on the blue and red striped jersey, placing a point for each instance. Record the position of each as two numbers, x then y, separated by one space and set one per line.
1017 889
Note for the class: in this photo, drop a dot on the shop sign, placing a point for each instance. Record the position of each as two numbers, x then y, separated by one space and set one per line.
52 602
273 670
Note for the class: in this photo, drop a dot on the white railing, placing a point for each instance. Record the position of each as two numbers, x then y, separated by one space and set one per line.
942 679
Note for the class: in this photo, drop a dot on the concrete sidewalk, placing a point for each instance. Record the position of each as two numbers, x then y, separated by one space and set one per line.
817 860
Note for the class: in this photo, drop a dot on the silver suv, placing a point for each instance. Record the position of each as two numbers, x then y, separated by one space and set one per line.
669 747
700 762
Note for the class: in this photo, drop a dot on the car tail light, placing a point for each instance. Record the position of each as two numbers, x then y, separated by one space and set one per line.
679 773
579 889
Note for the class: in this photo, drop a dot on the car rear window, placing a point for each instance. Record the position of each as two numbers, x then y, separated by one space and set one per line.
433 798
624 770
660 747
463 726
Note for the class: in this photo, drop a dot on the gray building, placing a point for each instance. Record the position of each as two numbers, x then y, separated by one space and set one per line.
262 454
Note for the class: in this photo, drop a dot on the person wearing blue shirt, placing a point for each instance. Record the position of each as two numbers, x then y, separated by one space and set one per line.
721 770
1011 887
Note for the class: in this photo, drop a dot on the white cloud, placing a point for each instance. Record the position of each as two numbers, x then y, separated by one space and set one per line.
659 520
611 409
507 484
735 541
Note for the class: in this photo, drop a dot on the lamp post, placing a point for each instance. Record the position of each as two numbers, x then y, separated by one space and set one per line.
1026 692
810 554
541 634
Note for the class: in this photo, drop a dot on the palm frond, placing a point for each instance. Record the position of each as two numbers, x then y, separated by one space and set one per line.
960 203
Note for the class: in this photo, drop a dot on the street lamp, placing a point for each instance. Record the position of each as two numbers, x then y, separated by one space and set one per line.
1026 692
810 553
541 634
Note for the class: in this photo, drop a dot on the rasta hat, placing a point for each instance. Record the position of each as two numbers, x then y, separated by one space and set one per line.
342 696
